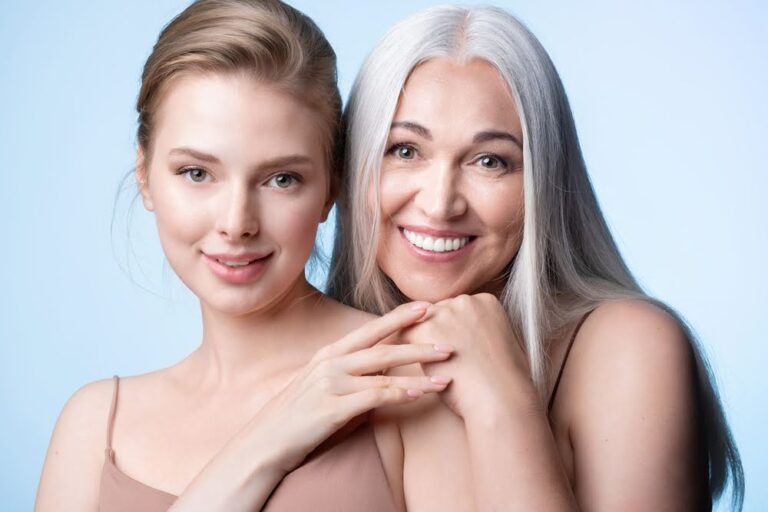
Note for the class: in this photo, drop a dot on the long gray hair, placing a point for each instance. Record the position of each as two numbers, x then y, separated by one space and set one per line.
568 262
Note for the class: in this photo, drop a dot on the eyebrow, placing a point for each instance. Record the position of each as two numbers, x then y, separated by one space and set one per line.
281 161
496 135
484 136
205 157
414 127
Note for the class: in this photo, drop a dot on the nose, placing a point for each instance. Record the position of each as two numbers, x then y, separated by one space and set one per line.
439 193
238 217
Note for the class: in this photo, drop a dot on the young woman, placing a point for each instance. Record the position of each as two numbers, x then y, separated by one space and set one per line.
238 117
466 177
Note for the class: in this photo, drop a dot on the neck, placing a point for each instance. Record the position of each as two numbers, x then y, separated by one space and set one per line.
270 343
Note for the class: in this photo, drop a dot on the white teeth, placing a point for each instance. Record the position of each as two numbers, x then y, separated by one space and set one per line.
429 243
234 263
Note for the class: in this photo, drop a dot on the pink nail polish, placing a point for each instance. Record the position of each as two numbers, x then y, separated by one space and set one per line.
414 393
444 347
440 379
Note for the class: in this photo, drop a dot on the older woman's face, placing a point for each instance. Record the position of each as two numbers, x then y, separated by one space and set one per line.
451 182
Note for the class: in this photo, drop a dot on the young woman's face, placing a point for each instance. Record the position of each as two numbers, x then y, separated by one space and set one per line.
451 182
238 183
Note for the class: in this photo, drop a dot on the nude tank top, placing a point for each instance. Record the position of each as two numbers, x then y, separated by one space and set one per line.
344 475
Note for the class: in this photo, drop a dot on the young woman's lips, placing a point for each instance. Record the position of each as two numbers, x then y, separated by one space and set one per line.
237 269
425 254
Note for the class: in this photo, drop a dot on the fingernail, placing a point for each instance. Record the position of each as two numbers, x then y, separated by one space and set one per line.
444 347
419 306
440 379
414 393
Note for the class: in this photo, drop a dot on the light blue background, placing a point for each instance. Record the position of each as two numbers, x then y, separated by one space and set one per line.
669 99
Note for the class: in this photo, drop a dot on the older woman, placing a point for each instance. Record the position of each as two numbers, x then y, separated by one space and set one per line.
572 389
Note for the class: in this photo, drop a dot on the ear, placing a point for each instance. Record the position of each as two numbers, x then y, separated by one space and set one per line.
326 210
142 180
333 191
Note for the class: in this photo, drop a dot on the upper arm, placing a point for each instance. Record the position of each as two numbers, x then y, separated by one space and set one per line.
634 417
436 463
71 473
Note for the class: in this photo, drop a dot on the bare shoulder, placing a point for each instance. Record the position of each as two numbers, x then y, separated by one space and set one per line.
626 350
71 473
629 401
344 318
84 416
632 333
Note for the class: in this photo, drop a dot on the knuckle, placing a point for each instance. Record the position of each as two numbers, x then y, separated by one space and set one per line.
335 417
321 355
487 298
323 367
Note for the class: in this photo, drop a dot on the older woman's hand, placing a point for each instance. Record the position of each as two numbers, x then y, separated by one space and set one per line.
489 368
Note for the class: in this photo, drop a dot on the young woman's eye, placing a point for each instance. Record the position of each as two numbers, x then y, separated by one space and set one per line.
491 162
283 180
403 151
195 174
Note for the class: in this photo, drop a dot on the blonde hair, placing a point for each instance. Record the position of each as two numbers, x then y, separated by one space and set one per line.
568 262
267 39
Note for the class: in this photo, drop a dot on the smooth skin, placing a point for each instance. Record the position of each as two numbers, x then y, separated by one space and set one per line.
236 166
623 433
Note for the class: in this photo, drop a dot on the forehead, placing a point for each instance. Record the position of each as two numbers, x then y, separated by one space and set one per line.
221 113
443 91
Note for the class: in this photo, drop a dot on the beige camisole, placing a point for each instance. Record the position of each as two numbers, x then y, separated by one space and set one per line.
339 476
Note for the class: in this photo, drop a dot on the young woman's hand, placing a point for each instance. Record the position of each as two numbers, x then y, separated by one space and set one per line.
338 384
343 380
489 367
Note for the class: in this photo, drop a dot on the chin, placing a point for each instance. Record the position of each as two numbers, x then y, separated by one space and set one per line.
430 291
233 302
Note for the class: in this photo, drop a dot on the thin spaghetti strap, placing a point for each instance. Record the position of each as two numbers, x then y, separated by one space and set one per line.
111 421
567 351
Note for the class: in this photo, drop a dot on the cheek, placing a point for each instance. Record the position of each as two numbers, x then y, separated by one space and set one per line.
502 211
393 192
177 220
294 222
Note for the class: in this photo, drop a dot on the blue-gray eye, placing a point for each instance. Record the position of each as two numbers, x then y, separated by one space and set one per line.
283 180
406 152
196 174
491 162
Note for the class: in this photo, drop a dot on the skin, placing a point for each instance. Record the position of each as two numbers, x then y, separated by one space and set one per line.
623 420
237 165
471 156
623 434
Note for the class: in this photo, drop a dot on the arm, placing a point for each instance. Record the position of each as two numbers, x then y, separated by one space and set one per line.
629 397
514 459
629 393
71 473
635 420
332 389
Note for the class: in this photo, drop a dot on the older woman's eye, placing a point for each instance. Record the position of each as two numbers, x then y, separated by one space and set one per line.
491 162
195 174
403 151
